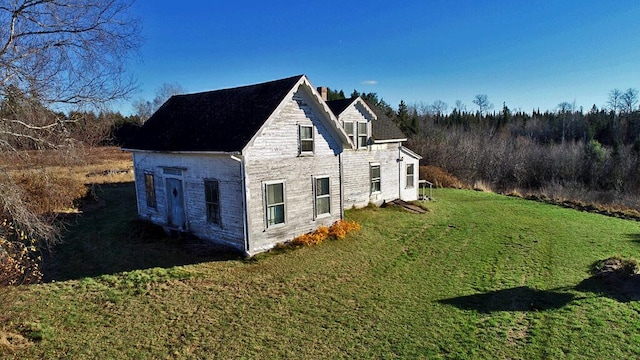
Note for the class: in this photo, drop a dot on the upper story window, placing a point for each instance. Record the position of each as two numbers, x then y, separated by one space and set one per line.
363 137
150 190
305 134
212 200
348 128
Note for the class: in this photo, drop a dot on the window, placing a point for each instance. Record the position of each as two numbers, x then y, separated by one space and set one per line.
306 139
274 196
362 135
375 178
212 199
323 196
348 128
410 178
150 190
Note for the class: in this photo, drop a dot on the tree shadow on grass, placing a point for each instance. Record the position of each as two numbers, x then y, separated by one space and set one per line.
107 237
611 286
522 298
615 278
635 238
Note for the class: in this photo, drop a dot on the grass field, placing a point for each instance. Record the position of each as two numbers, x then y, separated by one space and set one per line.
478 276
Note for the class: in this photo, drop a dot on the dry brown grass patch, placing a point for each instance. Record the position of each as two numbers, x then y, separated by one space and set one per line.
48 192
11 342
483 186
439 177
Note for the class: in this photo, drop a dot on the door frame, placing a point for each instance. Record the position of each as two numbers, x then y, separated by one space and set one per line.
175 174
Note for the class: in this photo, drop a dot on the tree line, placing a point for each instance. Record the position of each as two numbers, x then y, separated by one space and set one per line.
567 152
593 155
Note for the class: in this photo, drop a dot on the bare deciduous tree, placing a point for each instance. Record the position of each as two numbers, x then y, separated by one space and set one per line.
564 108
144 108
615 100
460 106
62 54
439 107
629 100
56 56
482 102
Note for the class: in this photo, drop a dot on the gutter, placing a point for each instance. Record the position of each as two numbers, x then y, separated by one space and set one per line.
400 162
245 213
388 141
341 176
226 153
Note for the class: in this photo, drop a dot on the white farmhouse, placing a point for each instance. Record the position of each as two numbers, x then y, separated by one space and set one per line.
257 165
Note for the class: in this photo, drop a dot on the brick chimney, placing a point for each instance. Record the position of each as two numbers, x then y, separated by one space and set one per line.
324 91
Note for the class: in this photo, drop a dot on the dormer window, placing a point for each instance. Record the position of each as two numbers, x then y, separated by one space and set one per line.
306 139
348 128
362 135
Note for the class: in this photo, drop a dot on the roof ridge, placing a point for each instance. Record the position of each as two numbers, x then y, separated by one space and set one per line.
270 82
218 120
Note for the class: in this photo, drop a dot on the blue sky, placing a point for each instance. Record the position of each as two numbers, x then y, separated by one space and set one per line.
528 54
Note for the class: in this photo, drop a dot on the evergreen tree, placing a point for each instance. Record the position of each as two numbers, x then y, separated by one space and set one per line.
334 95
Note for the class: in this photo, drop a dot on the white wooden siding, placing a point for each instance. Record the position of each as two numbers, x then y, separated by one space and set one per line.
357 182
274 156
196 168
409 193
356 113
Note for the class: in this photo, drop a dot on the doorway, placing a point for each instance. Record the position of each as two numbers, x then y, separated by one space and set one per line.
175 204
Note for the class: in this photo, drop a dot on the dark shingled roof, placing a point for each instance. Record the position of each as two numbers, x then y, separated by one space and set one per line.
382 129
221 120
338 106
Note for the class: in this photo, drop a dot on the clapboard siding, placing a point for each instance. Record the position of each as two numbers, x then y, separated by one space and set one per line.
409 192
357 180
356 113
195 169
274 156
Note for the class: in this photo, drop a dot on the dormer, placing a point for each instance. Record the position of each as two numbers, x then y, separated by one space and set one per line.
356 117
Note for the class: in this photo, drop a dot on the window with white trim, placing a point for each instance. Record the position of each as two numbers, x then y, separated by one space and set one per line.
348 128
274 203
323 196
150 190
362 135
305 134
212 200
374 172
410 176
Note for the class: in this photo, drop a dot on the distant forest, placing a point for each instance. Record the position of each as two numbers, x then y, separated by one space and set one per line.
591 156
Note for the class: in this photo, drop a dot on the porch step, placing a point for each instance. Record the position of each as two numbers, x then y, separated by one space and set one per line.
409 207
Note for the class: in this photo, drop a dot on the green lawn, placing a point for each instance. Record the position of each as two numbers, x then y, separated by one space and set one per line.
478 276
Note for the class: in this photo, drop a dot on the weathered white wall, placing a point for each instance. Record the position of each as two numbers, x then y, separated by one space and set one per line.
409 192
273 156
357 180
356 113
197 167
